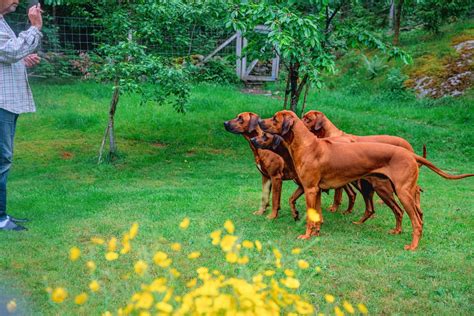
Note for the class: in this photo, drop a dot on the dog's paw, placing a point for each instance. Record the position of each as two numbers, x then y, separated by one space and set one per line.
272 216
395 231
410 247
259 212
333 208
304 237
358 223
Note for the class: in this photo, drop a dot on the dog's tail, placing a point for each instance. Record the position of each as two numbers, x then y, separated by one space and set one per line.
424 151
425 162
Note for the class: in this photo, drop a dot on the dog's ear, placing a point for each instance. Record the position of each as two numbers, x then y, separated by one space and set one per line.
287 124
253 122
276 141
319 124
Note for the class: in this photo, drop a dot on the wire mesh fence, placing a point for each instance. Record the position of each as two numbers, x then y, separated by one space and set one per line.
69 39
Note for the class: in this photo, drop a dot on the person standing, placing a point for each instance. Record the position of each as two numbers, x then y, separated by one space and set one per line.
16 53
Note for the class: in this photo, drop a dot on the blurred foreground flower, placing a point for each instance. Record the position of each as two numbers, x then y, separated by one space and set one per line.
259 279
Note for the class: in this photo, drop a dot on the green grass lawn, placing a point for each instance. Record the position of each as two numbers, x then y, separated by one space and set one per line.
172 166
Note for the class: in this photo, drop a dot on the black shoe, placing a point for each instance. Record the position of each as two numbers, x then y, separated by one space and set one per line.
8 224
17 220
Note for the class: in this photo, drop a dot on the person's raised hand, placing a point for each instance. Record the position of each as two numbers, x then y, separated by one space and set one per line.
31 60
34 14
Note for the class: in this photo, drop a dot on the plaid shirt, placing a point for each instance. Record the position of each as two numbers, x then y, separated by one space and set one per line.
15 92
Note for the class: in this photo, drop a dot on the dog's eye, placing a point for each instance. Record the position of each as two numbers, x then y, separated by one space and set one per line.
240 119
274 119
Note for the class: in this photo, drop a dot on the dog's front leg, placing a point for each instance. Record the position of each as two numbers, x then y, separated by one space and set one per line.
276 195
313 201
266 189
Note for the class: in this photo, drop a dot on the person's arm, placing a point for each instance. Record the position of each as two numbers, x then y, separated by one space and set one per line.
13 50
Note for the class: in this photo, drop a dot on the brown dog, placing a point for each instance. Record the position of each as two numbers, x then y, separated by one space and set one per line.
322 127
274 167
325 164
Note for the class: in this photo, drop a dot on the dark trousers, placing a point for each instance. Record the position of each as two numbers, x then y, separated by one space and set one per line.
7 134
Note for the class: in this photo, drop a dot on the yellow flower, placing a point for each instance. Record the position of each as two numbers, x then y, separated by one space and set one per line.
159 257
126 248
277 253
91 266
216 237
247 244
175 273
185 223
338 311
191 283
107 313
133 230
243 260
329 298
258 245
269 273
296 251
59 295
291 283
74 253
176 246
303 264
231 257
112 244
362 309
194 255
203 304
145 300
289 272
11 306
97 240
158 285
81 298
304 308
318 269
111 256
313 215
222 302
140 267
348 307
229 226
228 242
164 307
94 286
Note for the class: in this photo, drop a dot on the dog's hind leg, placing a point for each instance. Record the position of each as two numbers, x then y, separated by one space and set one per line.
351 195
367 192
337 200
265 201
407 197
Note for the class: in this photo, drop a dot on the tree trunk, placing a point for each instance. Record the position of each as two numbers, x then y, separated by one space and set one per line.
396 24
304 100
294 75
109 131
287 89
391 14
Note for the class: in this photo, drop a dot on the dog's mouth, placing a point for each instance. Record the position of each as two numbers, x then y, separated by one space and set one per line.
229 127
255 141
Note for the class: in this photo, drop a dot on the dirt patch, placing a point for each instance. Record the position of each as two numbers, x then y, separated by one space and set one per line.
66 155
258 91
451 77
158 145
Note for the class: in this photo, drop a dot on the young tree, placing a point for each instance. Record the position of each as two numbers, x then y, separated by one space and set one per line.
306 35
